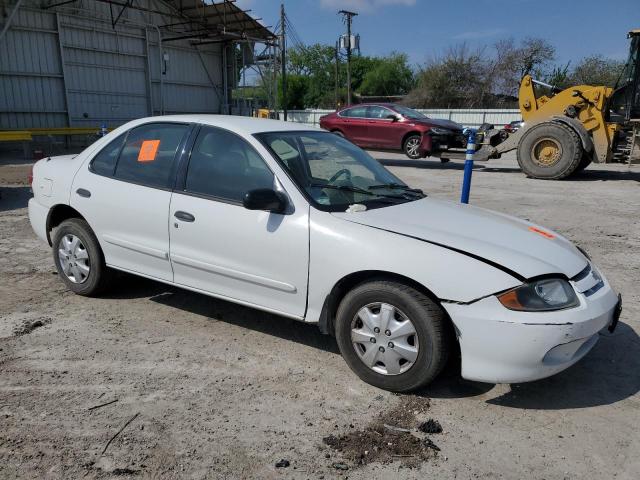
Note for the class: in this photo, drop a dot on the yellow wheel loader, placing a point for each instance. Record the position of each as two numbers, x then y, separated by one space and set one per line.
565 130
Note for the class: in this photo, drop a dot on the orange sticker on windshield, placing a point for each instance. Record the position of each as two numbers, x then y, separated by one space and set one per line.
544 233
148 150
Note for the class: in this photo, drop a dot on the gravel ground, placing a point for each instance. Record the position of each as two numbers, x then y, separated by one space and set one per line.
208 389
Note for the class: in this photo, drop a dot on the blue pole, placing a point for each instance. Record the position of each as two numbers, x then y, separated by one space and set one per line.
468 165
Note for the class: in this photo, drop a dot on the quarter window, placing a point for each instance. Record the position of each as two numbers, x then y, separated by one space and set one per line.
223 165
148 154
104 163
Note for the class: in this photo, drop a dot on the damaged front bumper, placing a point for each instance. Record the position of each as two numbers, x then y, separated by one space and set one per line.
504 346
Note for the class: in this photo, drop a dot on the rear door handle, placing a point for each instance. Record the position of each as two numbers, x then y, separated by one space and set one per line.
184 216
83 192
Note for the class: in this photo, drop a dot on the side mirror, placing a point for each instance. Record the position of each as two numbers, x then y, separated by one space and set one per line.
393 118
265 199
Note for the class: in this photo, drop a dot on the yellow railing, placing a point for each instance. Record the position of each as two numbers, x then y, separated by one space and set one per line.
15 136
27 135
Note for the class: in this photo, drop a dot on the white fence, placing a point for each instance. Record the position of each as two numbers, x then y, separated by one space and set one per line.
466 117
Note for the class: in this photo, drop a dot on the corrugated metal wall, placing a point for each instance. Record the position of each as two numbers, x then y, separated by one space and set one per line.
68 67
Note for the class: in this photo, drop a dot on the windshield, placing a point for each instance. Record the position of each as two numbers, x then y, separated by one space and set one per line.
334 173
408 112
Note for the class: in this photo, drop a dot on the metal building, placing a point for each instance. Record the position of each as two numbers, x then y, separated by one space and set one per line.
84 63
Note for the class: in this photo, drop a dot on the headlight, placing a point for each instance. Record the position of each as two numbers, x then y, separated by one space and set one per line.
540 296
440 131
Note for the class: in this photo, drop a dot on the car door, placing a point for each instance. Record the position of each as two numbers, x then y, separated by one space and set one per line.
355 125
124 193
383 131
218 246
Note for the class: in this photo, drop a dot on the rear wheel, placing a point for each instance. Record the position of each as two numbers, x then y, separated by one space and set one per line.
392 336
411 146
550 151
78 258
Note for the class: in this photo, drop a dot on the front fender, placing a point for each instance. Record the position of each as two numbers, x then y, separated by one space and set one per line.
339 248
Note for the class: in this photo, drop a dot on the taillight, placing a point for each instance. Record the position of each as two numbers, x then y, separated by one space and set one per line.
30 176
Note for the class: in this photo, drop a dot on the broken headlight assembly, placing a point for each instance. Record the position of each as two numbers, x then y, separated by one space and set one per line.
440 131
540 296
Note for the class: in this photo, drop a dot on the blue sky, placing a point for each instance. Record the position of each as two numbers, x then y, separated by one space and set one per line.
424 28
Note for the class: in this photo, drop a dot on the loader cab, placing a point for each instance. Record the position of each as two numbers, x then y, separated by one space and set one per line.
624 104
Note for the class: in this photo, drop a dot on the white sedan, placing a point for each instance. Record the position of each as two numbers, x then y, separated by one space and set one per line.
302 223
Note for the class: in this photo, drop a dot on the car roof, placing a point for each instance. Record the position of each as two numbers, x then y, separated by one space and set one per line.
372 104
236 123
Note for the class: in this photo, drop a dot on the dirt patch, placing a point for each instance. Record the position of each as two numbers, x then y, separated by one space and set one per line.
29 326
226 392
430 426
392 436
14 174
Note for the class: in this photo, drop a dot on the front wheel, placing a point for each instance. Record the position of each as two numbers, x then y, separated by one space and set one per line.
78 258
584 163
392 336
411 147
550 151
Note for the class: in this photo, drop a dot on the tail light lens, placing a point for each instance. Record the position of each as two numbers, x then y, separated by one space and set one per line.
30 176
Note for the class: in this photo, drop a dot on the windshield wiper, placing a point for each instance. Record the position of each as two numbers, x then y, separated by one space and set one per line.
397 186
349 188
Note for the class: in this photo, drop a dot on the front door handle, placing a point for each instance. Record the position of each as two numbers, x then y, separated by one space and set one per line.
83 192
184 216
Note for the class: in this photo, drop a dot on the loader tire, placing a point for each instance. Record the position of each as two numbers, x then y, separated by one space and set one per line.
550 151
584 163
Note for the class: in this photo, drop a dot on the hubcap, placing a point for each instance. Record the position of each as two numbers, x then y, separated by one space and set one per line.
74 259
384 338
412 147
547 152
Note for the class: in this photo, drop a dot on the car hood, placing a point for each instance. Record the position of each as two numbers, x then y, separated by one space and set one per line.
495 238
437 122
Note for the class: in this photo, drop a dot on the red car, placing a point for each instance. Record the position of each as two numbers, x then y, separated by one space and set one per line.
388 126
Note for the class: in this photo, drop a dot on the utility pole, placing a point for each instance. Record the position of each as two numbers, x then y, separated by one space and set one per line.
283 60
336 73
348 17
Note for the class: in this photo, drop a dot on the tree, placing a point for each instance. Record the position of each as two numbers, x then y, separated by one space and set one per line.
316 64
454 80
597 70
533 56
297 87
391 76
559 76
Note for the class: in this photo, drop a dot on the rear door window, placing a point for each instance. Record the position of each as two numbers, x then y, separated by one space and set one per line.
148 154
378 112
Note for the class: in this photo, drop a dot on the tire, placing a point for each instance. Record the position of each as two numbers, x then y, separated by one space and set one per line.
87 252
408 147
430 336
584 163
550 151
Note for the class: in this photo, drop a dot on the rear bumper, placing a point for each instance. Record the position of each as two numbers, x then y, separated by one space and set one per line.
503 346
38 217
